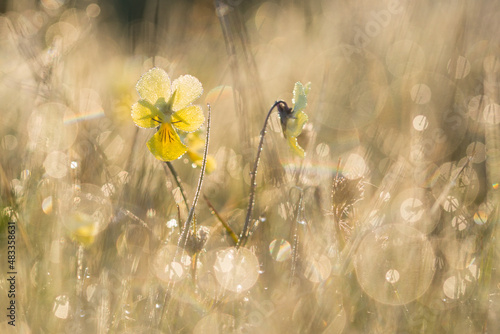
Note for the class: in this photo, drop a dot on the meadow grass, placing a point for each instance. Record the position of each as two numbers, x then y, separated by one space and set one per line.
386 225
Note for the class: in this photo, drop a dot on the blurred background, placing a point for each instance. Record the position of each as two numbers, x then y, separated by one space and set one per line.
388 225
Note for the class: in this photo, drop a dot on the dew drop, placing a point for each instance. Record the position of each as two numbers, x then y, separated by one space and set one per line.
49 128
86 211
108 189
322 150
459 222
480 217
420 123
123 177
172 223
56 164
167 264
317 270
61 307
454 287
90 291
392 276
47 205
450 204
93 10
412 210
458 67
151 213
420 94
385 196
280 250
477 151
236 270
176 192
491 113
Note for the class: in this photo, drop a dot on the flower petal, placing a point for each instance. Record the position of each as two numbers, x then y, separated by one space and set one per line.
166 144
295 124
292 141
188 119
154 84
187 89
146 115
300 96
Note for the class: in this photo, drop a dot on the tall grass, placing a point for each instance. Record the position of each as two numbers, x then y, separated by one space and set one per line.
388 225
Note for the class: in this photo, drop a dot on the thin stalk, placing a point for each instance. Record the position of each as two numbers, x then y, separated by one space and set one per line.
337 211
177 181
194 257
295 246
253 181
154 48
194 262
185 229
228 228
178 215
451 184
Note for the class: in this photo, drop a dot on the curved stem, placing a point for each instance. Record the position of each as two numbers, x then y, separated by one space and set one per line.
253 181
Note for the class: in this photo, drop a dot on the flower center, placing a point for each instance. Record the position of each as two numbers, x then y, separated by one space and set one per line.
165 108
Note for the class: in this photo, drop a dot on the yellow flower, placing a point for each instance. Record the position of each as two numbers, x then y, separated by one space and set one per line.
195 145
82 228
167 105
293 119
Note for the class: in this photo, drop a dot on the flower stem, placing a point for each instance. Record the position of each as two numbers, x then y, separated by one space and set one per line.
253 181
177 181
185 228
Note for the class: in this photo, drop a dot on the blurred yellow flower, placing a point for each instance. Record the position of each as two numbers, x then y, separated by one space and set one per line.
195 145
82 228
293 119
167 105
